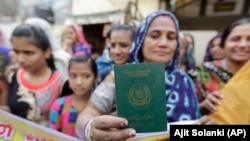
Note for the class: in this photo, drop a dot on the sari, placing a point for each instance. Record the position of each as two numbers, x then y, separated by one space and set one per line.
235 105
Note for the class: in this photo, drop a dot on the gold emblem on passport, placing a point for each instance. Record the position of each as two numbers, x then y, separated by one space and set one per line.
139 96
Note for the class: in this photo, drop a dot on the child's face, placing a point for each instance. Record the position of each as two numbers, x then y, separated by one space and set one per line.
120 44
81 78
30 57
70 34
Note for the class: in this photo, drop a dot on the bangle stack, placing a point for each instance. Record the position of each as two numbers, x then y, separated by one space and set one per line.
85 131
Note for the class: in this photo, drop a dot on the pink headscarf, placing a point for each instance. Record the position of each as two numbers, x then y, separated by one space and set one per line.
80 35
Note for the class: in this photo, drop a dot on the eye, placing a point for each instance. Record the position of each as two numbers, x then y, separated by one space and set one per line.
124 45
235 38
85 76
28 52
112 45
172 36
154 35
72 76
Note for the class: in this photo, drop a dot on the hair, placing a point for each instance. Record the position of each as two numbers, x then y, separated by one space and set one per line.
37 37
108 33
84 59
192 38
229 28
208 56
125 27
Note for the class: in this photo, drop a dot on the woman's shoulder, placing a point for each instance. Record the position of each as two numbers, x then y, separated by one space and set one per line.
203 67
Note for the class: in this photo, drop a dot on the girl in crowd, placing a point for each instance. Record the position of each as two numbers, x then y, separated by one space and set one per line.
36 84
191 41
187 52
74 41
211 77
121 38
82 80
157 40
61 57
214 51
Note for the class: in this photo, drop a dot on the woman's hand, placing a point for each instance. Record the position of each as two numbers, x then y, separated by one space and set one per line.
109 128
206 120
10 69
212 100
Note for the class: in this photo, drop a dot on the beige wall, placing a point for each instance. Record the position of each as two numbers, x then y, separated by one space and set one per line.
201 39
96 6
148 6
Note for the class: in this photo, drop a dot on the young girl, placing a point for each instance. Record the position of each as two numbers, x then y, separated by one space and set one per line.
74 41
36 84
82 79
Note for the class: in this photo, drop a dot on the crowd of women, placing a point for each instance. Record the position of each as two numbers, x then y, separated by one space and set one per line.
59 85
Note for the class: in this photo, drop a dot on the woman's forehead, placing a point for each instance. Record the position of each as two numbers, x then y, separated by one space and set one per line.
162 23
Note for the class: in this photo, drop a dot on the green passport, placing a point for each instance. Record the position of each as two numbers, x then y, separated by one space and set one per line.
141 96
3 64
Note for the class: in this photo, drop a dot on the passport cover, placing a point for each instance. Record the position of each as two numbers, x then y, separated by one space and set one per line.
2 62
141 96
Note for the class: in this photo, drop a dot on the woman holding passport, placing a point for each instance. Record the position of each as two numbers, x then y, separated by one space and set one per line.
157 40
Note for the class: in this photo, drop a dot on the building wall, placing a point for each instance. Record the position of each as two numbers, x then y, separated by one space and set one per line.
148 6
81 7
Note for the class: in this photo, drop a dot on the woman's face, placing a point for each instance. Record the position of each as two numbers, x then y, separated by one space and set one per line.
161 41
190 41
237 45
70 34
184 46
120 44
81 78
216 50
30 57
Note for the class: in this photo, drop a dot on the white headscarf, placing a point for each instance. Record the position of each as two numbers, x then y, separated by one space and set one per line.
61 57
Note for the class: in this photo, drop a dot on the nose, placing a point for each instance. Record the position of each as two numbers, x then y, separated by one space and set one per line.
20 58
244 43
163 41
78 80
117 50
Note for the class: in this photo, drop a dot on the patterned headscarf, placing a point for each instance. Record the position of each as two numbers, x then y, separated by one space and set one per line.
208 57
141 34
182 103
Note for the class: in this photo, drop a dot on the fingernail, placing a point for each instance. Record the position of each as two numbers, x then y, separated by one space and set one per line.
131 134
123 124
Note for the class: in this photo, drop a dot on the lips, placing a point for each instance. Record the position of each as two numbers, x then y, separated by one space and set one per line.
161 53
242 53
120 59
78 89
